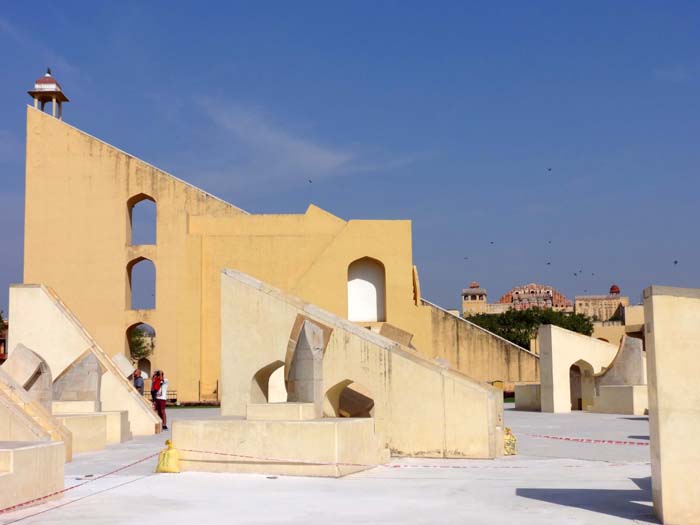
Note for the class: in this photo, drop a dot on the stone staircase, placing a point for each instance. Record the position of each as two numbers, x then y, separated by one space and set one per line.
37 422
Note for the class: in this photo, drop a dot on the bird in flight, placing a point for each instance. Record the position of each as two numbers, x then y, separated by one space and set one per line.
675 262
466 258
492 242
549 169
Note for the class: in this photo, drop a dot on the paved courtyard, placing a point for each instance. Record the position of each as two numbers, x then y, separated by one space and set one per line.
598 474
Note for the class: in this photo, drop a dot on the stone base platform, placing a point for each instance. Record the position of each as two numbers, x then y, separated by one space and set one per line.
329 447
623 399
29 470
94 431
527 397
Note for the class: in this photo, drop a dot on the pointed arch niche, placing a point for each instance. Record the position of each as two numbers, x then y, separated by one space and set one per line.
366 291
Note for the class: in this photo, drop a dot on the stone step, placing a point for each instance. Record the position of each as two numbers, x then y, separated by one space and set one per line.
280 411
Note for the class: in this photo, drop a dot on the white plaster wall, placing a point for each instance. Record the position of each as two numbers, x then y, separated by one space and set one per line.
559 349
366 291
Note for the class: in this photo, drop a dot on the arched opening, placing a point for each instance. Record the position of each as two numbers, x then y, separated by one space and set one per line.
141 284
263 389
276 388
366 291
348 399
144 365
141 343
581 385
142 213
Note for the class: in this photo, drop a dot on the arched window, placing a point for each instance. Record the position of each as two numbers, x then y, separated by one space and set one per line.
142 219
366 291
141 285
141 343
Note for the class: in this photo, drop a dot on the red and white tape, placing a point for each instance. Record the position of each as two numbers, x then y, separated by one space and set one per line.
63 491
591 441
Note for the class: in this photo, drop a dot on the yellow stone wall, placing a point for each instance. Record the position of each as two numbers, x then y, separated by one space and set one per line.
77 242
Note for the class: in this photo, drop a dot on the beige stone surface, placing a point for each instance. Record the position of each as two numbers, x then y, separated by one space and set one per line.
80 381
76 183
672 323
527 397
280 411
324 447
23 419
75 407
89 431
476 352
622 399
125 366
420 408
41 321
30 470
117 427
629 367
559 350
32 372
609 331
396 334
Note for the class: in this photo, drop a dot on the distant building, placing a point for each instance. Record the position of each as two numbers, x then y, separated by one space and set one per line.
475 299
535 295
602 307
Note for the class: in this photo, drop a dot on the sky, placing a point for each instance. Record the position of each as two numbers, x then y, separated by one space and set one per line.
512 134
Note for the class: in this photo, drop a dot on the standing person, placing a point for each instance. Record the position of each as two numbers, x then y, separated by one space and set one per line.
138 381
155 386
161 398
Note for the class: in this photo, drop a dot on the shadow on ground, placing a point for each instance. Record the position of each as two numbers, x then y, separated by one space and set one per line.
626 504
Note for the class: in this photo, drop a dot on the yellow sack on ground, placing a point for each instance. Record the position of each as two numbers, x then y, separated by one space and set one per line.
509 443
169 459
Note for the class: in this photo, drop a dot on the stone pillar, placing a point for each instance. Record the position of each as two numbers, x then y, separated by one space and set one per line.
554 379
53 107
305 384
36 103
672 326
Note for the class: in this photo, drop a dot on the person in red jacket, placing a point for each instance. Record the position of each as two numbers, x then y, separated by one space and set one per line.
155 387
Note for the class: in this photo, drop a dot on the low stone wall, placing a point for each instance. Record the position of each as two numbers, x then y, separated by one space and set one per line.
30 470
478 353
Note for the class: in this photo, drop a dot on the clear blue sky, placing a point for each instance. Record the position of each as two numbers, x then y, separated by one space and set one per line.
447 113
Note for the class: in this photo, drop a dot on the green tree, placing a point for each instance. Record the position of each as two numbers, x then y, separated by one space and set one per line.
520 326
140 345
